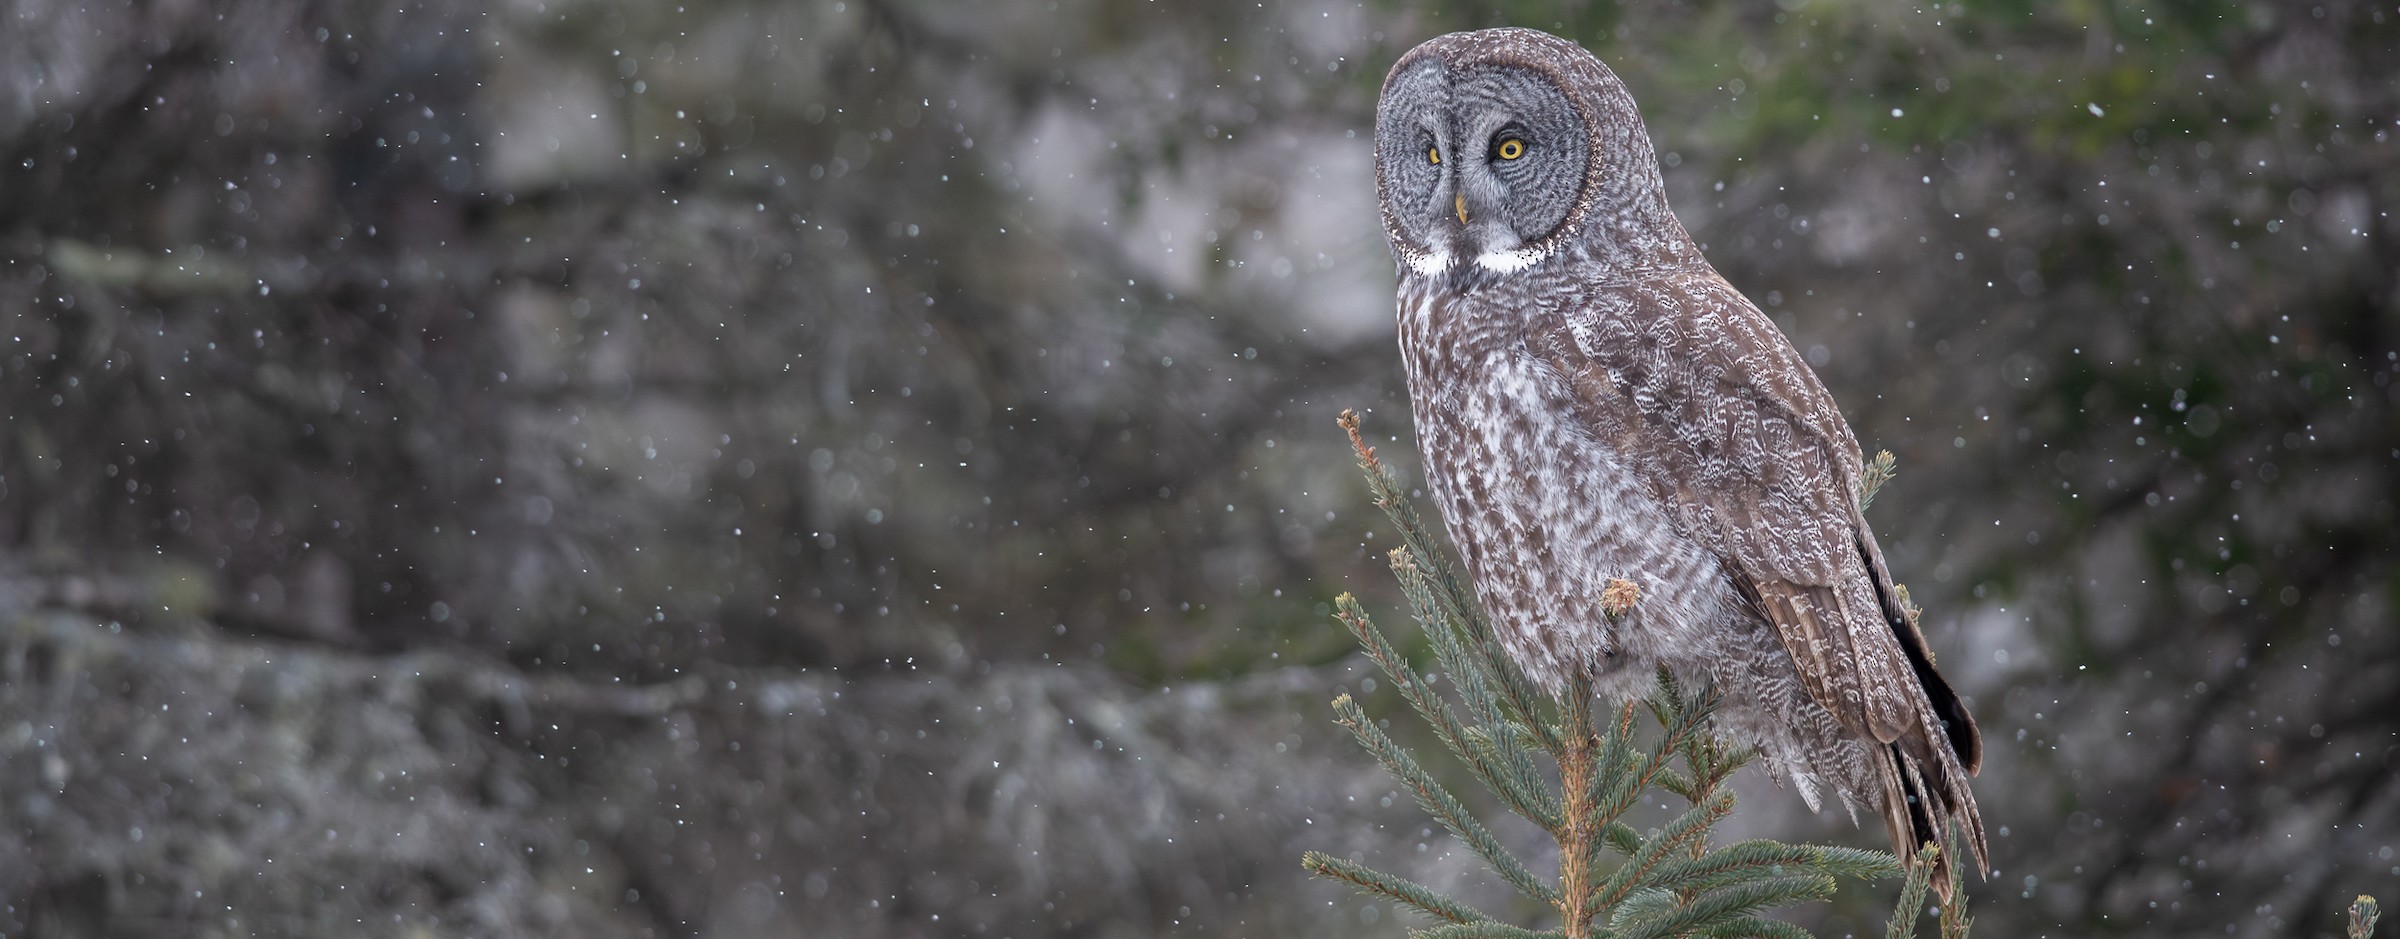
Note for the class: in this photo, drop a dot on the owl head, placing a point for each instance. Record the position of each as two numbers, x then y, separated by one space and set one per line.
1502 150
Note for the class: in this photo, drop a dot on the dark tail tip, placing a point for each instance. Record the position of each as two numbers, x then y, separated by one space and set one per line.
1924 827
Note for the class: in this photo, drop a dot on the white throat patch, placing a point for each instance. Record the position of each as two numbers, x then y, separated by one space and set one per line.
1510 262
1427 264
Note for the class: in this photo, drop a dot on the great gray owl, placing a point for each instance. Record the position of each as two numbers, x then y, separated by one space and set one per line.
1593 401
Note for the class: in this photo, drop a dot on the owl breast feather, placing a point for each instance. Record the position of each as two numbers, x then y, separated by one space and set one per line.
1545 508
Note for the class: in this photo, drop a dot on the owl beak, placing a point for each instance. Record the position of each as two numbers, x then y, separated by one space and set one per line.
1460 200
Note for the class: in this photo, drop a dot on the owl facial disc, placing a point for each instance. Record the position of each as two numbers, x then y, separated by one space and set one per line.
1480 161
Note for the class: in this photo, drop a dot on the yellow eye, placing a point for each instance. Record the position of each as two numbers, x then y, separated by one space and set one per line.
1512 148
1433 155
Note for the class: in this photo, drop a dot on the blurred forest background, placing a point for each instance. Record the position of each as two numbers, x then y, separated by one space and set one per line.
867 467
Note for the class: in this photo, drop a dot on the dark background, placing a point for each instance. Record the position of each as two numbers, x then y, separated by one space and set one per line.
867 468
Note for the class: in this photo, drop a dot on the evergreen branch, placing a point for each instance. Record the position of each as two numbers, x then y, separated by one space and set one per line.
1637 771
1736 900
1715 867
1517 691
1398 888
1871 477
1726 904
1511 752
1711 759
1856 863
1682 722
1615 748
1380 650
1477 675
1955 920
1636 871
1518 694
1385 489
1622 837
1579 840
1642 906
1684 718
1624 770
1751 927
1668 700
1498 748
1438 802
1912 895
2364 911
1719 760
1476 666
1689 790
1614 767
1515 783
1419 693
1485 931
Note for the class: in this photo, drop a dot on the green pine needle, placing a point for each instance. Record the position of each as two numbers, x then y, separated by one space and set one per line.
1398 888
1747 927
1877 472
1485 931
1912 895
1438 802
1718 907
2364 911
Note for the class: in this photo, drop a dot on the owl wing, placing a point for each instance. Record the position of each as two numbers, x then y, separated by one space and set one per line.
1733 432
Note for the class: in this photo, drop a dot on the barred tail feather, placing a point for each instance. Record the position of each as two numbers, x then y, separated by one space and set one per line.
1925 791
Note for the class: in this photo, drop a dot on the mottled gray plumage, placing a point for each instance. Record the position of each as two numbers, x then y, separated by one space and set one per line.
1593 401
